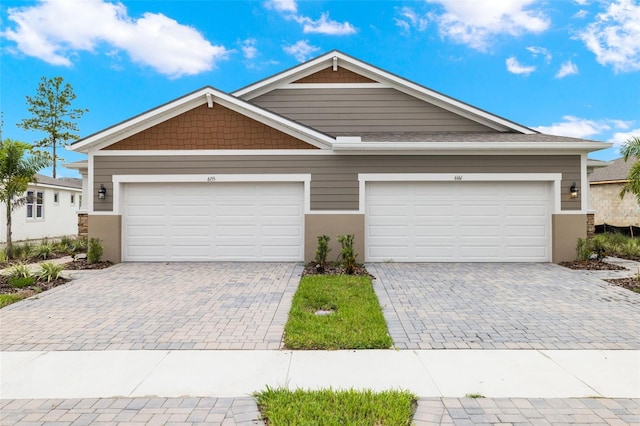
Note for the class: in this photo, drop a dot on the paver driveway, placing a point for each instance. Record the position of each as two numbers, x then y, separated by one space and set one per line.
504 306
158 306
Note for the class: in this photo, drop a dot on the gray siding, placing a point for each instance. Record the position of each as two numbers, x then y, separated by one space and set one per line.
342 112
334 178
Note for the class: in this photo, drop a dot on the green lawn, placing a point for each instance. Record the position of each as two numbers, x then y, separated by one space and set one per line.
356 321
7 299
329 407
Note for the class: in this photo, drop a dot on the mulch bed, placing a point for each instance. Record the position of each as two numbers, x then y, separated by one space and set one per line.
82 264
630 283
334 269
37 287
592 265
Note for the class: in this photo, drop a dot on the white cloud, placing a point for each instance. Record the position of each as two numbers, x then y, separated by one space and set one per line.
581 2
410 19
248 48
581 14
515 67
282 5
577 127
567 68
620 138
301 50
56 30
614 36
537 50
324 25
473 22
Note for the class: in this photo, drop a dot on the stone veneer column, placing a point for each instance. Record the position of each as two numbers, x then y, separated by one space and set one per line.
83 224
591 225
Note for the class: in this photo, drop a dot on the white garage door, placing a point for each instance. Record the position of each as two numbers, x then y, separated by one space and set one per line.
458 221
213 221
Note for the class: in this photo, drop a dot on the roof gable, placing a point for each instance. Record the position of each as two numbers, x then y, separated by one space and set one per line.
209 98
336 60
210 128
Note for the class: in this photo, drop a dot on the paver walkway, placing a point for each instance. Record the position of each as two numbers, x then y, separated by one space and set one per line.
157 306
504 306
243 411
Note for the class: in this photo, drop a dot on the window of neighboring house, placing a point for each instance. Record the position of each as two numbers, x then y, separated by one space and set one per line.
56 197
35 204
73 199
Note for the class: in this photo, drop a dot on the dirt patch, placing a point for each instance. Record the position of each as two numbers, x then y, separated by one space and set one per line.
593 265
630 283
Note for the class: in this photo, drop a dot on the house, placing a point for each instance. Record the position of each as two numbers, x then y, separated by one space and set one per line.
605 184
50 211
333 146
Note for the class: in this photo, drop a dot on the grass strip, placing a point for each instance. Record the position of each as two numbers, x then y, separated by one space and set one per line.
7 299
354 321
330 407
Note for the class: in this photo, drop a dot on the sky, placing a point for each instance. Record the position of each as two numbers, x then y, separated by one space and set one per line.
563 67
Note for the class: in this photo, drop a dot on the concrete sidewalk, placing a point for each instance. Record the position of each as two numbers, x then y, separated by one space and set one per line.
428 373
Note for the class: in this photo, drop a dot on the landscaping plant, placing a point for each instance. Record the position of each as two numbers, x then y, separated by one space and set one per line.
42 251
347 254
50 271
94 252
321 252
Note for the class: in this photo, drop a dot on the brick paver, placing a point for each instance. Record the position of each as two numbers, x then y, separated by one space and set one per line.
243 411
504 306
157 306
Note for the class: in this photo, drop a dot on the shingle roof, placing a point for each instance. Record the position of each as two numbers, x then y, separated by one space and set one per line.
466 137
617 170
66 182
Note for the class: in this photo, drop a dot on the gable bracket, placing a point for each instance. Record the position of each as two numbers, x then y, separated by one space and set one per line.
335 63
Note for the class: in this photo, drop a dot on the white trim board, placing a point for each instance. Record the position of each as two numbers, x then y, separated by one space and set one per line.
119 180
554 178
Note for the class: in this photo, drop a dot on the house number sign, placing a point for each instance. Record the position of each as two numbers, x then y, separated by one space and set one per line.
211 179
457 178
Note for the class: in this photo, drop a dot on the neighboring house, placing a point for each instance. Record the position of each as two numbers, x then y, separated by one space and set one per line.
333 146
605 185
50 211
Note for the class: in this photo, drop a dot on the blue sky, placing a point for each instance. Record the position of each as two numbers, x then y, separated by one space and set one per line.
565 67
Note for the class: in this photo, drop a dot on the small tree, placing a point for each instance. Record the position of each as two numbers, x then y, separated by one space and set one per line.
631 148
19 164
52 114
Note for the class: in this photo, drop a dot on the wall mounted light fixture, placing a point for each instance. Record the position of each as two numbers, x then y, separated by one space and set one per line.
574 190
102 192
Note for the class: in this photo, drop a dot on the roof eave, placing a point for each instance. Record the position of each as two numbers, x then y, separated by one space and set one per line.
496 148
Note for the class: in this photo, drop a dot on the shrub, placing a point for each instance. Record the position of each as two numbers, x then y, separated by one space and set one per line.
21 282
80 245
347 254
94 252
42 251
21 251
322 251
3 256
20 271
50 271
64 246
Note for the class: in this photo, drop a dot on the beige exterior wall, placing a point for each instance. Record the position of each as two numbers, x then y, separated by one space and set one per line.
610 209
107 228
334 178
566 229
333 225
364 110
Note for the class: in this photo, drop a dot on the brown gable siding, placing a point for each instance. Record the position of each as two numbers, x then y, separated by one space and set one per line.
210 128
328 75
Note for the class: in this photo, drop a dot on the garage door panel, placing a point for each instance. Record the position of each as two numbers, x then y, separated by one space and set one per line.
219 221
458 221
